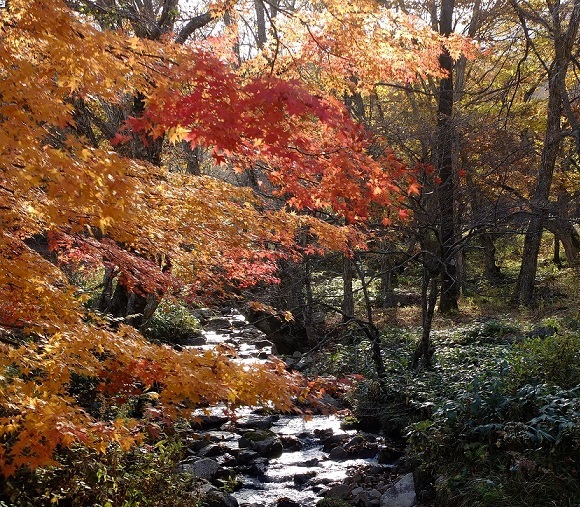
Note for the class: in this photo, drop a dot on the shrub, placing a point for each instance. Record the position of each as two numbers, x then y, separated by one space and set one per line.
554 360
143 477
172 322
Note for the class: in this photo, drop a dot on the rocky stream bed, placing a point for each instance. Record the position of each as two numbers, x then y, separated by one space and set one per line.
263 460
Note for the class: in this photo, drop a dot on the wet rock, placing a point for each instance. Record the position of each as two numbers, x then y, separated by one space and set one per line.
389 455
338 453
197 444
257 422
323 434
257 467
355 441
216 498
300 479
266 443
401 494
331 441
211 451
217 324
363 451
193 340
202 314
309 463
263 343
227 460
332 502
206 422
304 363
245 456
339 491
252 334
204 468
291 444
286 502
221 436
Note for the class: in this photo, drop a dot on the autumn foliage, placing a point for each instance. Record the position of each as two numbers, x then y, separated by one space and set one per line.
98 208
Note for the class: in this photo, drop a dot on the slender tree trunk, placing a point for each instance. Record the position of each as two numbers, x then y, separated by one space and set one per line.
261 36
564 41
566 234
492 271
556 260
445 141
386 289
370 329
429 292
193 158
525 285
347 306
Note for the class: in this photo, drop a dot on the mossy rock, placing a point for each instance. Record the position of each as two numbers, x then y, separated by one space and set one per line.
266 443
256 436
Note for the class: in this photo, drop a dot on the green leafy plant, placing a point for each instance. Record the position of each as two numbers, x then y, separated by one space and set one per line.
172 322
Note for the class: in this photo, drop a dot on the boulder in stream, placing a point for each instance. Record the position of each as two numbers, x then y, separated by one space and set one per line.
257 422
338 453
265 442
216 498
286 502
204 468
401 494
217 324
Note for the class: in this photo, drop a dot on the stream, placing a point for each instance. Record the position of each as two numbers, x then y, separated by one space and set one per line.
286 461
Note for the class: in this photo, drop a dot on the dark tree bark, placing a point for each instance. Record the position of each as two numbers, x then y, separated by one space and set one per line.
429 292
347 305
369 327
261 35
556 260
491 271
563 42
388 277
566 234
444 161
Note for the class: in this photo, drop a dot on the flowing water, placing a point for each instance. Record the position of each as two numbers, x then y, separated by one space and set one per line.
284 475
303 472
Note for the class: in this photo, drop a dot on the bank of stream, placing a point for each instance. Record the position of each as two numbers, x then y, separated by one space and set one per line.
288 461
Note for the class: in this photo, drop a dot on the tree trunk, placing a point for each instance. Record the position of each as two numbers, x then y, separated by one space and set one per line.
347 306
492 271
193 158
369 327
261 36
566 234
444 153
387 294
429 292
563 43
556 260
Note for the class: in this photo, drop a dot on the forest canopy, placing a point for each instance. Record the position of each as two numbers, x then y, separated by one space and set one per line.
89 105
240 153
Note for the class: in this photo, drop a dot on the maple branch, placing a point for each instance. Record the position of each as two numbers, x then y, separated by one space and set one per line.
4 338
192 25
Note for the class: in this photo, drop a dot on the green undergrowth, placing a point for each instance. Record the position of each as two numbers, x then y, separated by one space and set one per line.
172 322
145 476
494 422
